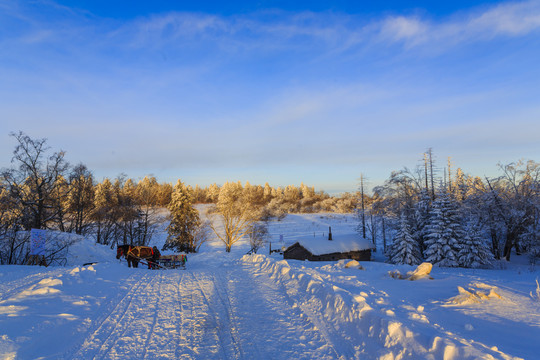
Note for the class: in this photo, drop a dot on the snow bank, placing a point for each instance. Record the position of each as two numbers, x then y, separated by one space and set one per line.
344 316
85 251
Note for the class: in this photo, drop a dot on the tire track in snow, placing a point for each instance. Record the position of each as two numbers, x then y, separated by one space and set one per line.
109 324
312 310
225 299
230 312
273 325
186 315
198 327
186 325
226 333
101 322
128 332
152 332
164 338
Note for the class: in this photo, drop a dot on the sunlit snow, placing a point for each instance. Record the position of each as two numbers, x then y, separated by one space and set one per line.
237 306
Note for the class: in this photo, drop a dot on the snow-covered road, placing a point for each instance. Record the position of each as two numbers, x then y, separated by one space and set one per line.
221 312
209 311
229 306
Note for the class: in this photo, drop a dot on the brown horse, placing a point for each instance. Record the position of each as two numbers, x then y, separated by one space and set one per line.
135 253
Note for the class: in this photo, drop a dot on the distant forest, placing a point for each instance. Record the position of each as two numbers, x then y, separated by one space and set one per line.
449 218
42 191
428 213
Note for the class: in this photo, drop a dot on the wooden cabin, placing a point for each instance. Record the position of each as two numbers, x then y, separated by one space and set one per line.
344 246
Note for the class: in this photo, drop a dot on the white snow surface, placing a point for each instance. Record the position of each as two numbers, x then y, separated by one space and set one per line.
320 245
236 306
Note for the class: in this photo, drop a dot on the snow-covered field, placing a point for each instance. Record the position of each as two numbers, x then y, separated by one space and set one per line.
237 306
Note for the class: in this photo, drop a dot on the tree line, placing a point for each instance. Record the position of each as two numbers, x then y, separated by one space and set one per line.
283 200
423 214
41 190
455 219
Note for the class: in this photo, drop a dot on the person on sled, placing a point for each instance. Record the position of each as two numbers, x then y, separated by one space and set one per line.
153 263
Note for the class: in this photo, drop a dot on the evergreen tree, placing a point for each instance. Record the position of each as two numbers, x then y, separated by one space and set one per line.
405 249
474 253
184 220
444 232
422 210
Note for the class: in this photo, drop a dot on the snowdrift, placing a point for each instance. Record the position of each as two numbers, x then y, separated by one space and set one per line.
353 324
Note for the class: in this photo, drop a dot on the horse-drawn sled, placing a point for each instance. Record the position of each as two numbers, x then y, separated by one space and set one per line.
172 261
151 257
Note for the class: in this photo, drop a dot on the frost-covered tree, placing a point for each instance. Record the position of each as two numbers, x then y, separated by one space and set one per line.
444 232
405 249
422 210
80 200
258 235
514 200
236 214
473 252
104 212
184 220
146 195
34 182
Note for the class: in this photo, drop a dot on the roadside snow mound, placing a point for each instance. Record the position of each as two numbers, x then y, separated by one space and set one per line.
342 315
85 251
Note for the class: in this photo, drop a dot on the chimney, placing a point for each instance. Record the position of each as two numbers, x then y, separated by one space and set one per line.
330 233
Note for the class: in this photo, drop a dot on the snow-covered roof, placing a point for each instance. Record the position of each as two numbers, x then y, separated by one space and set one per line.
340 243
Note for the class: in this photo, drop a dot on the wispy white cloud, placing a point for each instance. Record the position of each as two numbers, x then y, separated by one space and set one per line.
401 28
503 20
165 30
333 30
277 30
263 89
512 19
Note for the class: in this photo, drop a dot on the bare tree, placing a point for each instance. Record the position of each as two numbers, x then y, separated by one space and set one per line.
80 200
201 234
146 198
33 183
362 206
258 235
515 200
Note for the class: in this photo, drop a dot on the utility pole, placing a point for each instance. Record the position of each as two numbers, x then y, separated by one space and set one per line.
430 155
449 175
363 206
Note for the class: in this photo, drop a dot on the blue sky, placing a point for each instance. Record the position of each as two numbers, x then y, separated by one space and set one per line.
284 92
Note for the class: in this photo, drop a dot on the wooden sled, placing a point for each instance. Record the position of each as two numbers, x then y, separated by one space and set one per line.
172 261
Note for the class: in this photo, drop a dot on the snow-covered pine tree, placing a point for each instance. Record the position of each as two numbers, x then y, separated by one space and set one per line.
184 220
405 249
444 232
422 211
474 253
